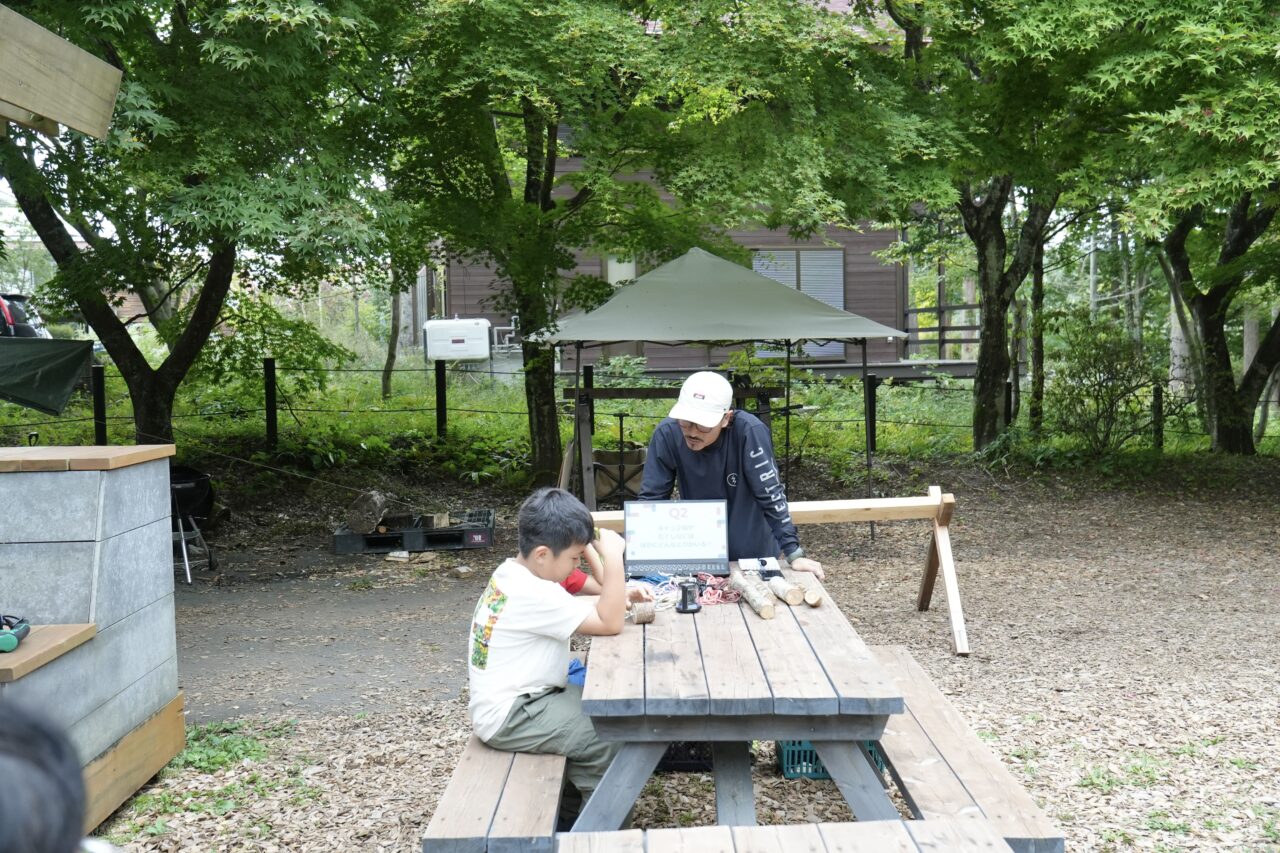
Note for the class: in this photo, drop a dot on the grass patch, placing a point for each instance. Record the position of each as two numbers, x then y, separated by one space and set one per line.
1161 822
360 585
1099 777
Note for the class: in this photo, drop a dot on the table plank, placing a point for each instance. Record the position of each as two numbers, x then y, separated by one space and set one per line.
798 681
694 839
863 685
778 839
674 681
735 678
876 836
615 674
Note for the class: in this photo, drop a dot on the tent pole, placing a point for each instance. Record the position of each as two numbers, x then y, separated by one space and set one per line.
786 456
577 431
866 424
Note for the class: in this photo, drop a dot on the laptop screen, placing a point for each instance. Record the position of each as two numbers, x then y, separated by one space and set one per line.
676 530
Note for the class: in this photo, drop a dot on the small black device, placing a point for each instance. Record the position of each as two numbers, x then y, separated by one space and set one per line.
688 598
13 630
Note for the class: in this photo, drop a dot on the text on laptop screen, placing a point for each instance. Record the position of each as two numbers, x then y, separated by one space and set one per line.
676 530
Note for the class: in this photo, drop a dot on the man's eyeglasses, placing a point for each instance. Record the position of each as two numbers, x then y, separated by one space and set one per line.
695 427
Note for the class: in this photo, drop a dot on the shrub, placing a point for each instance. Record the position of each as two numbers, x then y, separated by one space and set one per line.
1100 394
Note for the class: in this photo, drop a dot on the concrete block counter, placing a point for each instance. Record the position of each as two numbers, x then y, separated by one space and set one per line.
86 555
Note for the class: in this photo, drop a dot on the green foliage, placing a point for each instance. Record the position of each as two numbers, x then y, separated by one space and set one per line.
215 746
253 328
1100 392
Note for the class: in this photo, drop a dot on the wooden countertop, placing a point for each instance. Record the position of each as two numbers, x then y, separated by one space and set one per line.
79 458
43 644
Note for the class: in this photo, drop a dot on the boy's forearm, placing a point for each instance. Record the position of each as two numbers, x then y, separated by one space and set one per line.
612 606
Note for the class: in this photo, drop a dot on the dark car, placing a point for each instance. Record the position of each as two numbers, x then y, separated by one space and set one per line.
19 318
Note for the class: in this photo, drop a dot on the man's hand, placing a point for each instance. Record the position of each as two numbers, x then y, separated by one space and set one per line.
805 564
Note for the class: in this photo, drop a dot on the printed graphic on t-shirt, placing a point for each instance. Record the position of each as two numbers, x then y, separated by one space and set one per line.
488 610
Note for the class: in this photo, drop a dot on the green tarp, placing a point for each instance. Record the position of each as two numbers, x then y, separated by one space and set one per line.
701 297
40 373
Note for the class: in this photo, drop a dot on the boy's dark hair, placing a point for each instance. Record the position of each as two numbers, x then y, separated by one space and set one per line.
42 804
554 518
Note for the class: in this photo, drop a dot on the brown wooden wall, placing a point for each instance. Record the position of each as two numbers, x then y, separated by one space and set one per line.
872 288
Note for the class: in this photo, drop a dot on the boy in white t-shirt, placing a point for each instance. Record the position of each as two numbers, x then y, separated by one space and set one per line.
518 653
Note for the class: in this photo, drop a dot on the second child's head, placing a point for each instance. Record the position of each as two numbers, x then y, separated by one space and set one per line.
554 528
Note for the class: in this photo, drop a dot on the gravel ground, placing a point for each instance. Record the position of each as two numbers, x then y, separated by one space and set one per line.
1124 667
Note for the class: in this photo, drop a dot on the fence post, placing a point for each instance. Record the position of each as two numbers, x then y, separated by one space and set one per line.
1008 402
1157 417
269 393
442 420
98 381
588 383
869 405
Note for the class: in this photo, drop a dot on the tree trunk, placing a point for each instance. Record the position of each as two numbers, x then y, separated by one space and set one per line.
1037 342
544 422
393 342
152 406
984 223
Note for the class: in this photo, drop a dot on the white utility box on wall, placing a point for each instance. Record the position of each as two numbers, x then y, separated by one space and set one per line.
456 340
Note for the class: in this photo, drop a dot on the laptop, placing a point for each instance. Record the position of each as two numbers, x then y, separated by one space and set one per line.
676 537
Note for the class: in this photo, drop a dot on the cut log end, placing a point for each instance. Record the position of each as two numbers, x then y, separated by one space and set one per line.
812 597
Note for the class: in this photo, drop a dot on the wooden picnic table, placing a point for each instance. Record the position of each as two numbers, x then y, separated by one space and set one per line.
727 676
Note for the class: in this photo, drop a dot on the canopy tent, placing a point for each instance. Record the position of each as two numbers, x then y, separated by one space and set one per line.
41 374
701 297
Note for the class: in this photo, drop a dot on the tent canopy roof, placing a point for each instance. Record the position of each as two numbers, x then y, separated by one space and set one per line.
40 373
702 297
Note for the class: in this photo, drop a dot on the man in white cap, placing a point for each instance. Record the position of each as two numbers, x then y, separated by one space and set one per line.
716 452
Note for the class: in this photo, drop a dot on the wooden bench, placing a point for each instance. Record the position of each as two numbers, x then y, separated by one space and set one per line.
880 836
945 771
934 507
496 802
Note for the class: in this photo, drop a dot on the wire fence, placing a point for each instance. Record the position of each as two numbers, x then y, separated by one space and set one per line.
905 415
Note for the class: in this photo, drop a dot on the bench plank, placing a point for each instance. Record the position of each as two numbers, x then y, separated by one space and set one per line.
975 835
617 841
880 836
775 839
694 839
526 815
461 821
985 779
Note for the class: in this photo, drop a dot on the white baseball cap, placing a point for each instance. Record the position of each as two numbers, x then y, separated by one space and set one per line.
704 399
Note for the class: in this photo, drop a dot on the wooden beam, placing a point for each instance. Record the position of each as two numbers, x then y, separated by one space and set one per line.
43 644
118 773
52 78
26 118
833 512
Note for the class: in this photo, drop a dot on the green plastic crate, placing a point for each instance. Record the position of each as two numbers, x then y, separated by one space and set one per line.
799 760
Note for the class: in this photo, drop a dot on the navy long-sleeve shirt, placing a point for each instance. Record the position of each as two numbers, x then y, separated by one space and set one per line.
739 467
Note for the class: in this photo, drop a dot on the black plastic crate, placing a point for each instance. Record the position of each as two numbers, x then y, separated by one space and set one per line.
686 756
470 529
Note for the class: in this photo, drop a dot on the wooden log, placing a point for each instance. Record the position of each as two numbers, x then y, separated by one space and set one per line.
786 591
813 597
754 594
366 511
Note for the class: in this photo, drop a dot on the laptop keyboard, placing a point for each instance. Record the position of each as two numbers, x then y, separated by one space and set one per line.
682 569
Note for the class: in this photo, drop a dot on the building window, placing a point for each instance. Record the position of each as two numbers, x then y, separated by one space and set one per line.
619 269
817 272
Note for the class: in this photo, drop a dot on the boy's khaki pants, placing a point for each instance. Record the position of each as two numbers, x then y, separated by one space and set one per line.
552 722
